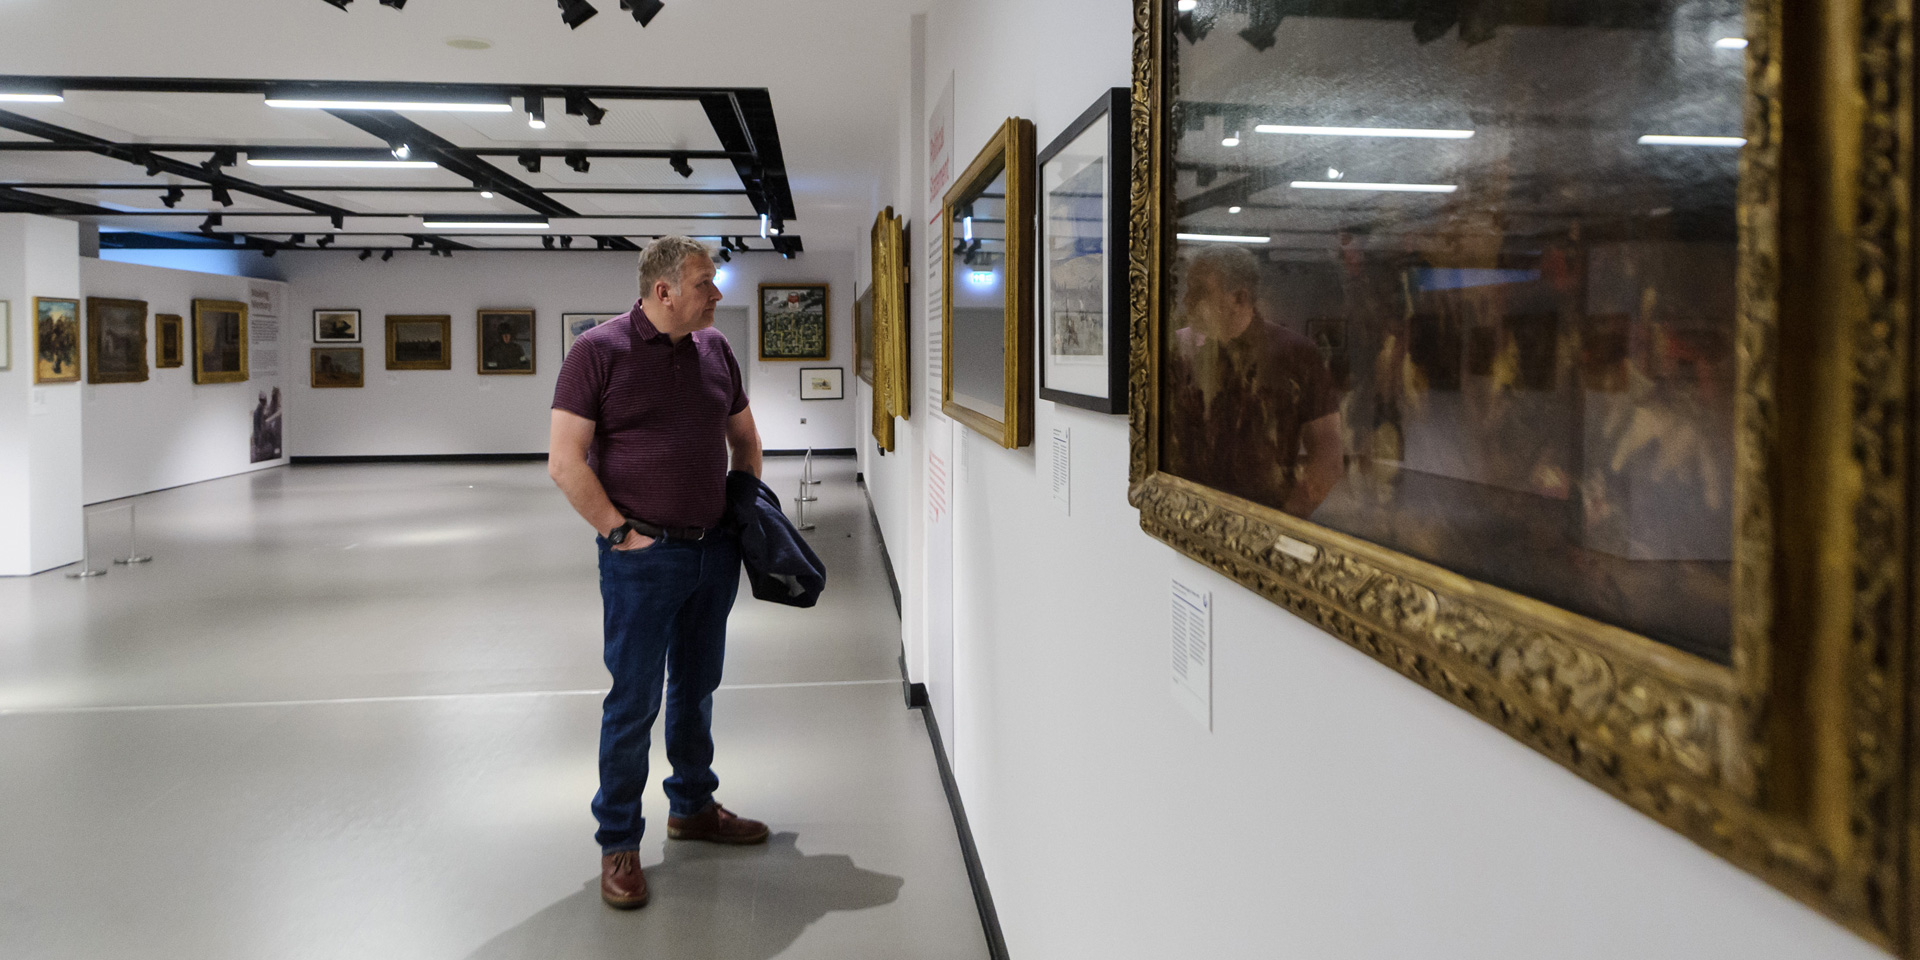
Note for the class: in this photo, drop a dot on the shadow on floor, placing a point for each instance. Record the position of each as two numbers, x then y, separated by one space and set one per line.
709 902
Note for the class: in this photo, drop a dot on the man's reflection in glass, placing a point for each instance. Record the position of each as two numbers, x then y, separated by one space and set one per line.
1254 409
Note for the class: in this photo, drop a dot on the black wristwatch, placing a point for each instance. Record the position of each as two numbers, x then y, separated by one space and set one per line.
618 535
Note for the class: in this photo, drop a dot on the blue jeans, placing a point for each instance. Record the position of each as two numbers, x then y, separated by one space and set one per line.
666 618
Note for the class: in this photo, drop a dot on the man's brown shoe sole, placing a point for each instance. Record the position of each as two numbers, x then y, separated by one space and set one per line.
629 904
677 834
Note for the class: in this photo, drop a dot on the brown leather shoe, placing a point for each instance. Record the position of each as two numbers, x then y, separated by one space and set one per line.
717 824
622 885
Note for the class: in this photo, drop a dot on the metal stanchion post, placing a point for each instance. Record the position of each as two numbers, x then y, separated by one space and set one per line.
86 550
805 497
133 555
807 470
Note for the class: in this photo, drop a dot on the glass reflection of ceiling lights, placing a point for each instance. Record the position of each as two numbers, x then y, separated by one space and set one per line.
1374 187
1222 238
1413 133
1667 140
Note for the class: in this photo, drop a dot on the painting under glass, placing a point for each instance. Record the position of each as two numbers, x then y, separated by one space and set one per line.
979 280
1074 264
56 340
219 341
116 340
419 343
168 349
793 322
506 341
572 325
1465 287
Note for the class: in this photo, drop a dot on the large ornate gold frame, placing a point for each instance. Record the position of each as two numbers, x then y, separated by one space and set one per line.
1795 761
201 332
889 346
1011 149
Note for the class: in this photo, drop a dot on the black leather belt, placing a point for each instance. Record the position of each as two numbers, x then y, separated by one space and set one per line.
671 533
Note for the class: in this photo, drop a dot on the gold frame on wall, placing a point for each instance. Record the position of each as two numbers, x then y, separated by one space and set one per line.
826 320
161 323
1794 762
446 341
890 374
1012 149
480 340
200 374
94 375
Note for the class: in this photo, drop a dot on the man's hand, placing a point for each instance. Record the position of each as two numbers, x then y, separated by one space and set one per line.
634 541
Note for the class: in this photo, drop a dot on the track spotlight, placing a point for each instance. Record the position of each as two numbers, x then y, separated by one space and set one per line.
580 106
368 254
566 243
269 250
153 165
547 242
220 158
324 242
212 220
574 13
419 242
578 161
339 222
531 161
786 254
401 150
775 228
726 243
173 195
298 239
643 10
342 4
222 197
680 165
396 4
385 256
537 112
725 257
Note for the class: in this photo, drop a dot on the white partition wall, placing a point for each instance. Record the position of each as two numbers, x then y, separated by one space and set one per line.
40 425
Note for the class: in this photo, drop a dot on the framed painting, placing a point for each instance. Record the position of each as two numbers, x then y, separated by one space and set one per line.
417 342
334 367
986 359
1477 354
116 340
822 383
56 340
889 348
793 321
169 340
572 325
506 341
6 335
219 341
1083 259
336 325
863 336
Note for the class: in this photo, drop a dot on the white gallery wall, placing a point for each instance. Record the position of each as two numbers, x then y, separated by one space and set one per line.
40 424
460 411
1334 810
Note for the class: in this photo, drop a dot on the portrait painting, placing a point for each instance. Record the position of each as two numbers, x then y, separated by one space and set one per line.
56 340
336 326
506 341
333 367
572 325
793 321
116 340
219 341
169 340
417 342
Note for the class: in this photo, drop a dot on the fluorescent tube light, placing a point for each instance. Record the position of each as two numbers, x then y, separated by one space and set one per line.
1731 43
32 98
1374 187
1408 132
432 224
1663 140
302 104
1188 6
360 164
1220 238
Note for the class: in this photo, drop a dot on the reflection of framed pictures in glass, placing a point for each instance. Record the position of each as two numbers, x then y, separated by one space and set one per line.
793 321
987 299
336 326
822 383
506 341
219 341
419 342
169 340
116 340
1627 473
572 325
56 340
338 367
1083 259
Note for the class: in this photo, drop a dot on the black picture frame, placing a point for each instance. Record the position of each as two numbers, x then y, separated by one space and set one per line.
833 378
1115 105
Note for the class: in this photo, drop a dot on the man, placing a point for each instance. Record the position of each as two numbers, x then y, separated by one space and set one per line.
1254 410
648 407
503 353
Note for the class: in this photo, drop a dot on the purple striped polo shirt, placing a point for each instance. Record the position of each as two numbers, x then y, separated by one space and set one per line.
660 414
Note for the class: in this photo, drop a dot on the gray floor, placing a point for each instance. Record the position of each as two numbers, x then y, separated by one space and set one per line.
351 712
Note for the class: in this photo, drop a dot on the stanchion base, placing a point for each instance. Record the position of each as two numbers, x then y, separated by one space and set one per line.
126 560
86 573
806 499
811 483
804 526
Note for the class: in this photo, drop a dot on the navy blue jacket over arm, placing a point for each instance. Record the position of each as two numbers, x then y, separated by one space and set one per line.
781 567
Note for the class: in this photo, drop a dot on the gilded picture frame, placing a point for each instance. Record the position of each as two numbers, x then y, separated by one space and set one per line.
219 341
419 342
332 367
891 379
796 321
1009 157
1793 760
506 341
169 340
56 340
116 340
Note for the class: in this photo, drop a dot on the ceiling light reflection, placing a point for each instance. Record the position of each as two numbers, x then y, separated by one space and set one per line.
1220 238
1665 140
1374 187
1415 133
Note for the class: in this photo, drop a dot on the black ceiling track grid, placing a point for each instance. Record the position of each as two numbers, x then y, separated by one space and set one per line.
742 120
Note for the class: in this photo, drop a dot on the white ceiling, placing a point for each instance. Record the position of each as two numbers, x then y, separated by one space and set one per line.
836 70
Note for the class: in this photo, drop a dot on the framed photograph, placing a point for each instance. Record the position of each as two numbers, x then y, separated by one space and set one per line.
863 336
987 300
1083 258
821 383
116 340
6 335
1627 474
419 342
338 367
336 326
56 340
887 341
169 340
793 321
506 341
572 325
219 341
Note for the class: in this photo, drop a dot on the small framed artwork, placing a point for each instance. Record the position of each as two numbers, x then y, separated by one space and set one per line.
821 383
6 335
339 367
506 341
336 326
168 340
1083 259
572 325
987 299
793 321
417 342
116 340
219 341
56 340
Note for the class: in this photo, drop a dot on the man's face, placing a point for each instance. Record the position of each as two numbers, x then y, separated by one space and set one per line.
692 307
1209 306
